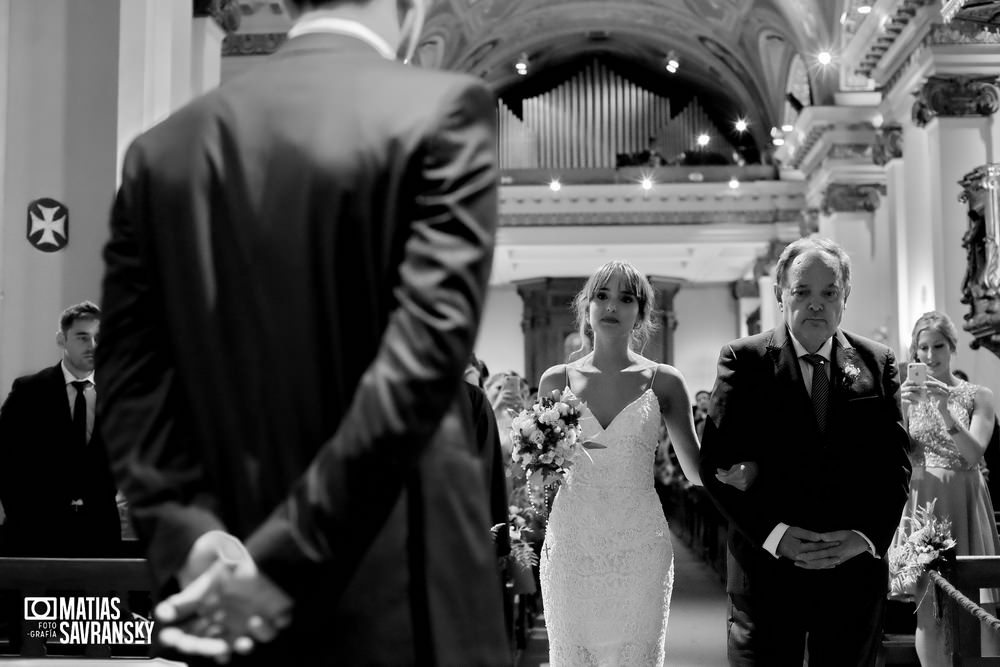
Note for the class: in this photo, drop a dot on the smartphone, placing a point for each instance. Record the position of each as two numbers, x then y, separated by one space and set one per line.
916 372
511 383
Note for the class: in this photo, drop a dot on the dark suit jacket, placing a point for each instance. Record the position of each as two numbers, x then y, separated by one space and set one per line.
43 468
855 477
294 282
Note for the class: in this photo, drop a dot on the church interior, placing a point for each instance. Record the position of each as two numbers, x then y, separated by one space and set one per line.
693 138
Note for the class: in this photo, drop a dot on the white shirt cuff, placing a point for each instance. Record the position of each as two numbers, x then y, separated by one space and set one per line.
771 543
871 547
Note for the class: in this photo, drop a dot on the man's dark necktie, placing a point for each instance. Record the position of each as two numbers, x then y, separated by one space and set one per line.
820 389
80 411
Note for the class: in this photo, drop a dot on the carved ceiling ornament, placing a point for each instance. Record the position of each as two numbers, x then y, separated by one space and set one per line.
956 96
888 144
225 12
852 197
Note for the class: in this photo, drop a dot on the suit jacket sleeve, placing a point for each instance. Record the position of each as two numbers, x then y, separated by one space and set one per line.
14 496
414 377
725 443
156 462
882 496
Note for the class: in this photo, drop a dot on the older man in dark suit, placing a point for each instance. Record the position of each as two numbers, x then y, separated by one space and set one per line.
294 282
55 483
814 409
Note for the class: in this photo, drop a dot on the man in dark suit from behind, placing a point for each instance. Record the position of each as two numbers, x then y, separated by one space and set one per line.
55 482
294 280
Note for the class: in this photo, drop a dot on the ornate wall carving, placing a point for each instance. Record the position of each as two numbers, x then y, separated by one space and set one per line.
852 197
956 96
888 144
981 284
225 12
253 44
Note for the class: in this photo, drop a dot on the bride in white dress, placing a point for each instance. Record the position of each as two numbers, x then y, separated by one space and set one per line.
607 562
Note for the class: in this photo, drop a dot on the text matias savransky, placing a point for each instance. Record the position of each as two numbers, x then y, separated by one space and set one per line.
85 620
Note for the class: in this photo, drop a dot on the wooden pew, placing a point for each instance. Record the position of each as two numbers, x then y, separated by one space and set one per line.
968 574
21 577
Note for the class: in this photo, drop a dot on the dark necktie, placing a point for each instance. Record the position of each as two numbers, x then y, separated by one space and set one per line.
820 389
80 410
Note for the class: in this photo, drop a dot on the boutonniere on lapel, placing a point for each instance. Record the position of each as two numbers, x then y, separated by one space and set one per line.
853 377
849 374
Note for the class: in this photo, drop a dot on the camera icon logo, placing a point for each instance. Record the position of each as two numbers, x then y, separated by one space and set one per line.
40 609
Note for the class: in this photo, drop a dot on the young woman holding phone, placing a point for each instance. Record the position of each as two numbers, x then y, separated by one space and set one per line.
950 422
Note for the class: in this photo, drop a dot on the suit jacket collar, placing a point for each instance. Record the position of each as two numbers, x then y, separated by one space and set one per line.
330 43
317 22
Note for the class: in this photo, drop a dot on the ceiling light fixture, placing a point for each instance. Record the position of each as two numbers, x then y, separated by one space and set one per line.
703 139
824 58
787 127
646 183
555 185
521 66
741 125
864 9
734 183
672 62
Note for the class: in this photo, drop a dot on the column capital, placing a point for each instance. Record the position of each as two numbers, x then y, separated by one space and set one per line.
821 132
809 224
888 144
958 95
225 12
852 197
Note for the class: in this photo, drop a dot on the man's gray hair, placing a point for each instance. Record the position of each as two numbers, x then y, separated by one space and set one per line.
796 248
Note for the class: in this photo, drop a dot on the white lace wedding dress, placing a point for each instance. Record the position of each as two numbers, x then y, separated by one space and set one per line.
607 566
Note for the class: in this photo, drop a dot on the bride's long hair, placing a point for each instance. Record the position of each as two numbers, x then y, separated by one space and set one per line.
635 282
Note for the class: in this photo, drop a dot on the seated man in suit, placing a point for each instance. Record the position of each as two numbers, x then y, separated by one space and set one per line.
55 482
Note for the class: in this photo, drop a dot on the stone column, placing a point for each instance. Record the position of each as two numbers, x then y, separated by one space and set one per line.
213 20
661 345
851 215
888 153
954 131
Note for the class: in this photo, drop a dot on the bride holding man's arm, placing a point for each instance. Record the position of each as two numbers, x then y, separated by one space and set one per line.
607 561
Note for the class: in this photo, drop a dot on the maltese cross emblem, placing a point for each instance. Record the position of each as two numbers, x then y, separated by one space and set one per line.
48 225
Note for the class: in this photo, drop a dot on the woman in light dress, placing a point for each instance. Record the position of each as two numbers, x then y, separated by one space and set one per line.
607 561
950 422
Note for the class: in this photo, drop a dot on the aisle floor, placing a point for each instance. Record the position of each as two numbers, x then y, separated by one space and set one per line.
696 635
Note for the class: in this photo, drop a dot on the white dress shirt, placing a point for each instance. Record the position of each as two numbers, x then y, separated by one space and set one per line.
89 395
825 351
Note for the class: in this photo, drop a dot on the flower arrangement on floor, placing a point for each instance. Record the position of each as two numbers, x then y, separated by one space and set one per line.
925 548
545 438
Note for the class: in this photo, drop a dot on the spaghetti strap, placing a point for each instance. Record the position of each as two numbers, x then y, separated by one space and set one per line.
566 375
653 379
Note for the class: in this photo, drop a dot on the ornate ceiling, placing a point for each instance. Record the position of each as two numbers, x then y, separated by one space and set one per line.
734 54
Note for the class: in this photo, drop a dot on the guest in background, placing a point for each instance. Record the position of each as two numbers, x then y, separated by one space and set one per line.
950 422
508 394
55 482
701 403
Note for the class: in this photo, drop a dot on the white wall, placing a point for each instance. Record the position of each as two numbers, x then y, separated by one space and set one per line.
707 319
501 341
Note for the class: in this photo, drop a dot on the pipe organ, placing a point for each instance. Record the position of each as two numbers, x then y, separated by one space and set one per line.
589 119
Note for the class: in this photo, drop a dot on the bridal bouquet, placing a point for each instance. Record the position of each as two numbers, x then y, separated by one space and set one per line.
546 436
929 543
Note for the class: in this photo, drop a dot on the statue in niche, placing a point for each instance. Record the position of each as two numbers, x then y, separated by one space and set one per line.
974 242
